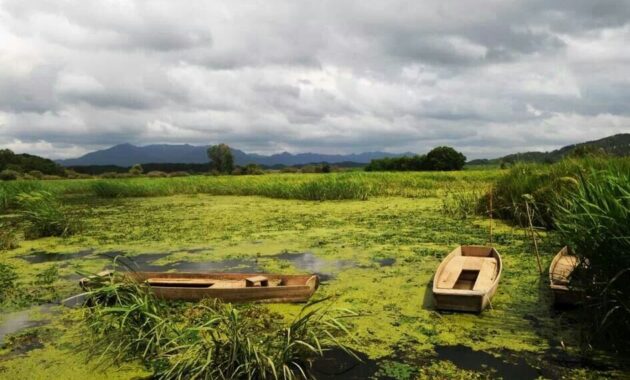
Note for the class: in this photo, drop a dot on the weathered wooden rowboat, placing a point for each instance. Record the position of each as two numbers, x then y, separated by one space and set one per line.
560 270
467 278
229 287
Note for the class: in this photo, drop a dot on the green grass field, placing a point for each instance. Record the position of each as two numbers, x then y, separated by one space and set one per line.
378 238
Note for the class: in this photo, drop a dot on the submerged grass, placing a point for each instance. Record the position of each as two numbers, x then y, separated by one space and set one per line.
208 340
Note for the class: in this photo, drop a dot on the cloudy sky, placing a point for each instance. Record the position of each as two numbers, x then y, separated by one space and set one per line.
488 77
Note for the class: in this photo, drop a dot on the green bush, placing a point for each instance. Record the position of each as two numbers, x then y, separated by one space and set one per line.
9 175
44 215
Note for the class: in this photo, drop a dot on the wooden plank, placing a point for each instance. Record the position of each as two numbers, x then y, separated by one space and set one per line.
257 281
563 269
486 275
451 272
176 281
229 284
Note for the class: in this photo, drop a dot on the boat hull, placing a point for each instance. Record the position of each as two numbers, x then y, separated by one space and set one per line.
293 288
559 276
467 300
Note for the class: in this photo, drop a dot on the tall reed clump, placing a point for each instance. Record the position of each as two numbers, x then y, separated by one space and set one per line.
9 192
539 187
44 215
594 218
464 202
206 340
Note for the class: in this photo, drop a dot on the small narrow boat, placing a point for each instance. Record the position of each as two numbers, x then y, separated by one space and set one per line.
229 287
467 278
560 270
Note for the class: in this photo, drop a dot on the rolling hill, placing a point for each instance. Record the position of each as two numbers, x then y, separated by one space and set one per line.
616 145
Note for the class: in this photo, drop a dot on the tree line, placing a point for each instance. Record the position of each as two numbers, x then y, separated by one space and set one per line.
442 158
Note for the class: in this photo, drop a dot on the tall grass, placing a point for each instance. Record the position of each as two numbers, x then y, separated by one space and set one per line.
541 186
207 340
594 218
463 203
44 215
332 186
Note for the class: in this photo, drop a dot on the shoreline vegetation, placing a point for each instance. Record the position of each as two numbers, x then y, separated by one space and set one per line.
409 218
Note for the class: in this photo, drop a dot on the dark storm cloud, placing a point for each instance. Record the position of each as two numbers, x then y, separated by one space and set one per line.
490 77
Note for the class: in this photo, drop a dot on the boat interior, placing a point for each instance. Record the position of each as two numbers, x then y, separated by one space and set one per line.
475 269
563 269
250 282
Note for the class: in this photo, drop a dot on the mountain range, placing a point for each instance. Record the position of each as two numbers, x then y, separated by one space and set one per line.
126 155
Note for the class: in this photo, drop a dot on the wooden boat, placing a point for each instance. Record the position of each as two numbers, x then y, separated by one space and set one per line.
467 278
229 287
560 270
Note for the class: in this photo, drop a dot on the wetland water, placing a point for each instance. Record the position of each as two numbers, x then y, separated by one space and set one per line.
377 257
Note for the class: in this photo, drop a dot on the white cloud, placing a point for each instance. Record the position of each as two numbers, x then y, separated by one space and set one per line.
331 76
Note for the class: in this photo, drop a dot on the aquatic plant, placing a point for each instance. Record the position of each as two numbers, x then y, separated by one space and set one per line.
594 219
8 237
209 340
8 276
44 215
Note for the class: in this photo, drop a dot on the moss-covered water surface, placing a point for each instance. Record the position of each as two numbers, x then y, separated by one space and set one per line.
377 257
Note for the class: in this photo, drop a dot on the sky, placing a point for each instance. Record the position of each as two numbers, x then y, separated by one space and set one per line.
486 77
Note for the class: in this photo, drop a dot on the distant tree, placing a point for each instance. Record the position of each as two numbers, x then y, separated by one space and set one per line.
9 175
221 158
445 158
136 169
325 167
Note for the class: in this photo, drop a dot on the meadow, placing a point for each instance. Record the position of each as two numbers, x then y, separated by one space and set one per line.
376 239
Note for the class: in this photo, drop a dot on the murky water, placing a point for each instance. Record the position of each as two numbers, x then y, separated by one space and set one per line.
466 358
338 365
308 262
39 257
303 261
12 323
386 262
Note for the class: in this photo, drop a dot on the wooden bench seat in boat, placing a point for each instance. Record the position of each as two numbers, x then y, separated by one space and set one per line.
485 266
256 281
486 274
563 269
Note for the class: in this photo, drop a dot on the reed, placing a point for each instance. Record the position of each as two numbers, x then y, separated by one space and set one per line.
594 219
44 215
331 186
541 187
